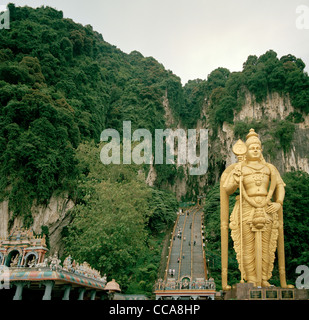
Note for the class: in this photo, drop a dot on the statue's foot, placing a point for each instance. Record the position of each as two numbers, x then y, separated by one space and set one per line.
227 288
265 284
285 285
252 280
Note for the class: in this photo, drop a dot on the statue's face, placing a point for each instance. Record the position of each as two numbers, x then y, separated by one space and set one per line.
254 152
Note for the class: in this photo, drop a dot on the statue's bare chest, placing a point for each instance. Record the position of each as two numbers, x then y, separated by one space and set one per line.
256 179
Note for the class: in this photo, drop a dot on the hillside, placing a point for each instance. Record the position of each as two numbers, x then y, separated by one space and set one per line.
61 85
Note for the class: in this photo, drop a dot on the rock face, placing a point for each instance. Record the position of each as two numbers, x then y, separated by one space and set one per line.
55 216
275 107
4 219
220 155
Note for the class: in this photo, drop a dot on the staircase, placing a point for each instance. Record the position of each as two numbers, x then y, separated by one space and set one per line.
186 272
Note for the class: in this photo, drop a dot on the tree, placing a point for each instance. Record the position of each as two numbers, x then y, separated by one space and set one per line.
117 221
296 224
217 78
257 84
250 63
234 83
225 109
194 96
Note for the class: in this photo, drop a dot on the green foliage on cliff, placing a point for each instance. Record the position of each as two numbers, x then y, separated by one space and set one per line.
194 95
284 131
279 133
268 73
296 221
224 90
61 84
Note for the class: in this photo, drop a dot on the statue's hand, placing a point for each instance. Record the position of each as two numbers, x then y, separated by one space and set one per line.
237 173
273 207
236 178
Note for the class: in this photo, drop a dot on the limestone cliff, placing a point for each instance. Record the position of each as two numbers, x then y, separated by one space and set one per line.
267 114
274 108
54 216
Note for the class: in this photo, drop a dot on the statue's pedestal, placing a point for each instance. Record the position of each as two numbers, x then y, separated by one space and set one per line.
246 291
239 291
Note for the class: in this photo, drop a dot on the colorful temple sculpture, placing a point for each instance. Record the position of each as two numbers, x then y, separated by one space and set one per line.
22 248
27 274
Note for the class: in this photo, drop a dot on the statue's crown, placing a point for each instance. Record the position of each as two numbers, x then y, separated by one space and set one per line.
252 137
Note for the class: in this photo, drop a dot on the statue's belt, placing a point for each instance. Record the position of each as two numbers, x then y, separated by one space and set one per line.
256 201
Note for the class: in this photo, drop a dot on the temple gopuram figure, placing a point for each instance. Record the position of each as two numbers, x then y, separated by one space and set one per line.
43 264
14 261
55 262
32 263
67 263
256 221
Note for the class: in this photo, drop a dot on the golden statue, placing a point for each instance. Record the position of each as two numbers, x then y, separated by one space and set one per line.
256 221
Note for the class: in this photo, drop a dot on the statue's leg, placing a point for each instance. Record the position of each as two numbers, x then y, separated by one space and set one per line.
267 251
258 257
281 255
249 253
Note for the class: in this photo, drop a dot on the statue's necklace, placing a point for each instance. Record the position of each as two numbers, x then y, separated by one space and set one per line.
257 175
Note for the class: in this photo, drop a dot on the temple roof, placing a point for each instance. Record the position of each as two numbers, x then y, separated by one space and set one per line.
59 276
24 237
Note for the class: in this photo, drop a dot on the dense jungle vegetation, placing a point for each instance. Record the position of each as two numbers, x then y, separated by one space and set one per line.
61 84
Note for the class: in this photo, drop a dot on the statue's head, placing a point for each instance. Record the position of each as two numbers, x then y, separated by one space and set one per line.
254 146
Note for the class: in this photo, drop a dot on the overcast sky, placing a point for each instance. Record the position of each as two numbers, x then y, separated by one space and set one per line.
193 37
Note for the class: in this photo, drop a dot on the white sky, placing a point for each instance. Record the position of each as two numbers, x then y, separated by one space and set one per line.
192 37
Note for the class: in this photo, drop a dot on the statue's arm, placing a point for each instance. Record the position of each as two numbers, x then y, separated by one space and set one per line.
280 190
232 182
280 193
